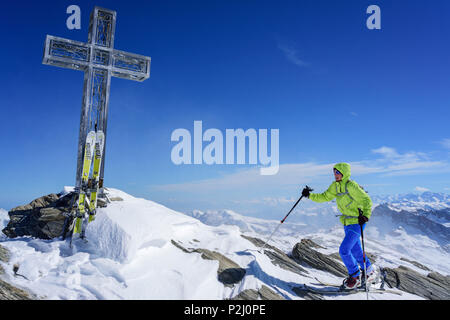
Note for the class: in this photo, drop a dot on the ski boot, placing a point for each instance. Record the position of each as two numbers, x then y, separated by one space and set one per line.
353 281
371 275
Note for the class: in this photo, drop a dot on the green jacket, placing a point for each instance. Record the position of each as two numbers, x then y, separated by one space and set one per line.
349 197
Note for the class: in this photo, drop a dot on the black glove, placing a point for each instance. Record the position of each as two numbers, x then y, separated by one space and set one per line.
305 192
362 219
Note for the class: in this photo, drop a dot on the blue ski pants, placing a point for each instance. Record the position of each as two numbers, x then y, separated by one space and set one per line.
351 251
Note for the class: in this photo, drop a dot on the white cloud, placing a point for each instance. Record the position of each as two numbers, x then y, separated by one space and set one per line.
387 152
445 143
289 174
267 201
421 189
292 55
394 163
391 163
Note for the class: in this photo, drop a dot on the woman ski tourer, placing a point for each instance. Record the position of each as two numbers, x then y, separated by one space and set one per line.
350 200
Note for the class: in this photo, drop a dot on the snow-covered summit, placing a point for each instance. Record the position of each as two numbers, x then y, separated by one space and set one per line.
129 255
139 249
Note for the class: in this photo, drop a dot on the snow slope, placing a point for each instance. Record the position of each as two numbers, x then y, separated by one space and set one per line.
130 255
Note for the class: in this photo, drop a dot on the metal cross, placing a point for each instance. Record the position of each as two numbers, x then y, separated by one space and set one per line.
99 61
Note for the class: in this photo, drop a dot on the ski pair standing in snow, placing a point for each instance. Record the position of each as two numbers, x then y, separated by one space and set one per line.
350 200
93 154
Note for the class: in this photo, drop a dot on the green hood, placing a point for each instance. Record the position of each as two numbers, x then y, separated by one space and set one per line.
343 168
349 197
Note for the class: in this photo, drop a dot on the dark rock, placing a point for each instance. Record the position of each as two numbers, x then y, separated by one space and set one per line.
282 260
116 199
8 291
38 203
45 217
433 286
445 280
307 295
4 254
264 293
278 257
231 275
42 218
229 272
102 203
335 256
304 254
311 244
179 246
417 264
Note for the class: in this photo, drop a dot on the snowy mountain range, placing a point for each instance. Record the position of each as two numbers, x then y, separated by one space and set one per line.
417 225
138 249
413 201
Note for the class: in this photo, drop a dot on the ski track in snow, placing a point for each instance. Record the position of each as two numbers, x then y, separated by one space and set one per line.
130 256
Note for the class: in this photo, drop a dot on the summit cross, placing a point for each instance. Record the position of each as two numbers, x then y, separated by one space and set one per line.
99 61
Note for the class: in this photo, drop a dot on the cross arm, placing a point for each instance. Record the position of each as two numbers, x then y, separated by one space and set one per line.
76 55
130 66
66 53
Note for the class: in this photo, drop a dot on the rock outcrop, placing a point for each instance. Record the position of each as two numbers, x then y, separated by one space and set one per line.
306 294
8 291
278 257
417 264
304 254
229 272
42 218
434 286
264 293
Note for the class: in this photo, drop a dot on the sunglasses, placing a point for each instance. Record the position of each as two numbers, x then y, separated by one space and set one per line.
337 172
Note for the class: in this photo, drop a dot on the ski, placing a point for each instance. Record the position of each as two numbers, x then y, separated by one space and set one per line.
94 185
320 282
333 290
81 208
362 288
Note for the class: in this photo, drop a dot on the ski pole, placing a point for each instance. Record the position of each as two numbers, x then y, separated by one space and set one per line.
281 222
364 254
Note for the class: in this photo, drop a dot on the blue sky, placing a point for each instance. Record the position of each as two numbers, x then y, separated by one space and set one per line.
336 91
